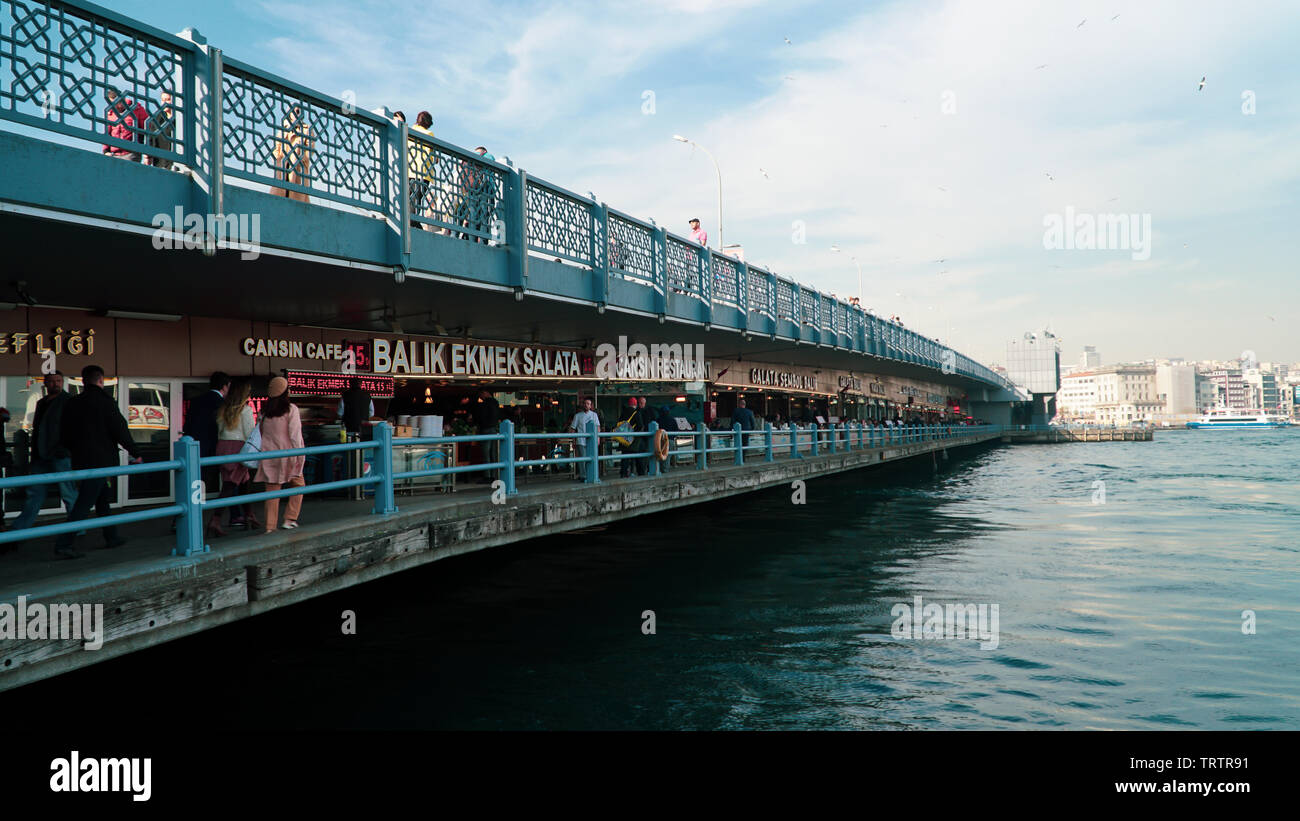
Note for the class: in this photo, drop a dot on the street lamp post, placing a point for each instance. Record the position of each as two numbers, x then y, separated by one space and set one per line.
679 138
836 249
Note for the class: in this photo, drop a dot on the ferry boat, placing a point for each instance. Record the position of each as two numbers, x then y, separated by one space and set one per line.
1229 418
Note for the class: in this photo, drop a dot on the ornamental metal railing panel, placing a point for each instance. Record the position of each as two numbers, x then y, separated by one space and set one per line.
454 191
97 76
296 141
760 292
726 280
683 267
631 249
559 222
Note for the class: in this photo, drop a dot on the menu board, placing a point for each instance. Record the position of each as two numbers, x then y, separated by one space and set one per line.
312 383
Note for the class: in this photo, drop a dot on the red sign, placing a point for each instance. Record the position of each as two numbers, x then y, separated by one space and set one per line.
311 383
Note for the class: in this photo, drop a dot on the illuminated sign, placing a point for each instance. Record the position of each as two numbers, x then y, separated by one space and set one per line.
311 383
74 342
782 379
291 348
475 359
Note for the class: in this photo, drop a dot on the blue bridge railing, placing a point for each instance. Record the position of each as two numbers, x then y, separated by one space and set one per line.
177 100
193 499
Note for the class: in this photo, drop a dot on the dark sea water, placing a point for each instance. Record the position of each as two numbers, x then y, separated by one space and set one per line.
1125 614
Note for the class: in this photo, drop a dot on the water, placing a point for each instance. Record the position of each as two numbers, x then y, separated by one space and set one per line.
1125 614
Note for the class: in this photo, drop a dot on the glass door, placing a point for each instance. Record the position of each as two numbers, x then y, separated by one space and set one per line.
153 423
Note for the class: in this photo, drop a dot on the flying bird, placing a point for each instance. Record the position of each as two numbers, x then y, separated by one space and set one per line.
764 173
1081 22
787 42
1271 319
938 260
789 77
1113 19
1044 65
1049 176
1112 199
1202 85
941 188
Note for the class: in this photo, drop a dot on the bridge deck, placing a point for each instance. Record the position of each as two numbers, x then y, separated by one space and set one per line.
149 599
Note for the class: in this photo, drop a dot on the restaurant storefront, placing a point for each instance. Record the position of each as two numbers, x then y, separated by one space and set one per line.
780 393
155 365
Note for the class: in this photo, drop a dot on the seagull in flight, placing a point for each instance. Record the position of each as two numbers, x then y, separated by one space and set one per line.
1112 199
1049 176
1044 65
1202 85
1081 22
787 42
938 260
1113 19
764 173
945 190
789 77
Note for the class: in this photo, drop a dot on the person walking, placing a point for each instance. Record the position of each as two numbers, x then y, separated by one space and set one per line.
487 413
643 445
743 416
235 423
201 425
627 445
355 407
92 429
698 234
579 426
424 178
281 427
48 455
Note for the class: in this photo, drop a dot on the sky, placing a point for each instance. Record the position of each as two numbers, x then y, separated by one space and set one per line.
934 143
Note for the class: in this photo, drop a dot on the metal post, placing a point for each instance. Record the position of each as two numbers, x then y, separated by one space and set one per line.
593 444
650 448
768 455
834 433
702 457
508 455
740 443
382 466
794 440
816 434
189 494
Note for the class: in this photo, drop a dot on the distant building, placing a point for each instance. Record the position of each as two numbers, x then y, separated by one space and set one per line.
1176 387
1034 364
1261 390
1127 394
1077 400
1090 359
1205 393
1229 390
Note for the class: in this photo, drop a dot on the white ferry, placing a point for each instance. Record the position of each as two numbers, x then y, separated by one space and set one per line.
1228 418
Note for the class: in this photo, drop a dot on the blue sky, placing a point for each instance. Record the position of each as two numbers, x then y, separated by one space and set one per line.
849 122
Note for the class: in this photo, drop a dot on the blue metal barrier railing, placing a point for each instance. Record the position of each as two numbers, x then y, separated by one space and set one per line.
192 502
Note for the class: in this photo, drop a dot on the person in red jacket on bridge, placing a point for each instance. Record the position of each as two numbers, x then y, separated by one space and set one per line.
126 121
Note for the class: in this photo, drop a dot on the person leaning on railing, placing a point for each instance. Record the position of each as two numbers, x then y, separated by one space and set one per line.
424 199
92 430
292 154
126 120
281 430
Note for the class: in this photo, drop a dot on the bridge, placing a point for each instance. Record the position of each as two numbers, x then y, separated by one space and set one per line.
382 227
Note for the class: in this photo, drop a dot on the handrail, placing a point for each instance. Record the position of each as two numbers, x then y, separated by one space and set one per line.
342 154
193 499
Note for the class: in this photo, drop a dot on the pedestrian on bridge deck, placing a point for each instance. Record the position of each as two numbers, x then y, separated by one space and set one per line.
281 430
48 455
92 429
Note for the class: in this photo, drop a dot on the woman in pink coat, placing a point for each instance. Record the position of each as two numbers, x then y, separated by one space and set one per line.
281 430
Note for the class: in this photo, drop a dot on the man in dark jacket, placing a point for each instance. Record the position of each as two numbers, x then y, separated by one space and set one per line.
201 425
486 412
92 430
744 417
355 406
48 454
